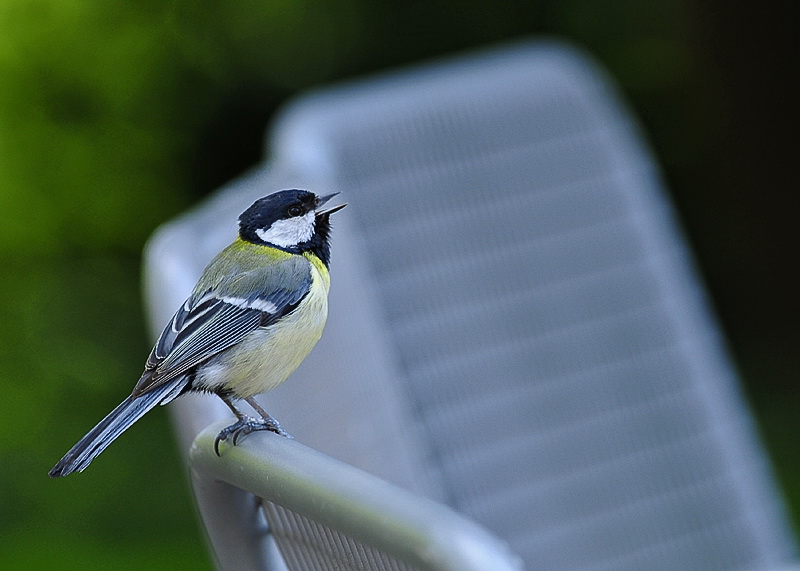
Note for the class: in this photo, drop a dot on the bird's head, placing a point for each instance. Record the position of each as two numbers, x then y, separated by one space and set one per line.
290 220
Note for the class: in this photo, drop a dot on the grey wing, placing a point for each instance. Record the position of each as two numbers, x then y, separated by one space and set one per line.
208 323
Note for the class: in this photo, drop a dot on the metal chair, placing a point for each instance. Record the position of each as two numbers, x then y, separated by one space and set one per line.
516 332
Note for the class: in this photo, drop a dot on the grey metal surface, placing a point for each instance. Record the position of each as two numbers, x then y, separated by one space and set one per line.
350 519
516 328
307 544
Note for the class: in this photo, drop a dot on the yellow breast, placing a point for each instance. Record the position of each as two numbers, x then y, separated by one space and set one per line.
266 357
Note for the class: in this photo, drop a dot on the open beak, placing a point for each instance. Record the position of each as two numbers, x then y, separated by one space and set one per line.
322 200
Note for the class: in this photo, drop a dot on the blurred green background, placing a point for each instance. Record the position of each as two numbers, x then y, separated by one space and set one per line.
114 117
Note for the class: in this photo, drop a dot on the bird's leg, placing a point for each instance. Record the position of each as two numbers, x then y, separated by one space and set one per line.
246 424
239 414
272 424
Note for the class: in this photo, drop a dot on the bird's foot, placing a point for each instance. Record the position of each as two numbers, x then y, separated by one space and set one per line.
246 425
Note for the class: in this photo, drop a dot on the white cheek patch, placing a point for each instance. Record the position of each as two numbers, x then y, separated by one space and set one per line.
287 233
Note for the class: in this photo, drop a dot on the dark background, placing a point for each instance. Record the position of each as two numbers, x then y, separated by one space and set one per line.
114 118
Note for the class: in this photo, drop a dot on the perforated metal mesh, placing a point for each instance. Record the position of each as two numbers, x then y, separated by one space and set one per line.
566 380
307 545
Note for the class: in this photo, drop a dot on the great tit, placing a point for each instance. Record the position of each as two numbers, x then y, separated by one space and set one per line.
256 312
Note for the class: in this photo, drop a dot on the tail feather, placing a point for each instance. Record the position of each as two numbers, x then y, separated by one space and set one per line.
107 430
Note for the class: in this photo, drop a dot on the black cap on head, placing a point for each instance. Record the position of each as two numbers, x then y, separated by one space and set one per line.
265 211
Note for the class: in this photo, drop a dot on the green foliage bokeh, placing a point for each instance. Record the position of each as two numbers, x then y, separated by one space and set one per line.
102 106
116 116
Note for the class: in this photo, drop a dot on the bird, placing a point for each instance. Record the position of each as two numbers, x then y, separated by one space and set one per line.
256 312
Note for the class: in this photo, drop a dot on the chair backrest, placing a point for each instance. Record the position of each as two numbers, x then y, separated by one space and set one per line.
516 328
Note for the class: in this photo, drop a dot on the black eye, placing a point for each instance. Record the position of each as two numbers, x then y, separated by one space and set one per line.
295 211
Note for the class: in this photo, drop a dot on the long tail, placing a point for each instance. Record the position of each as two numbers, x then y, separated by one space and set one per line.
107 430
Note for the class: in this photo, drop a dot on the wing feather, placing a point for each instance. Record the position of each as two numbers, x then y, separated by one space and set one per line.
213 320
